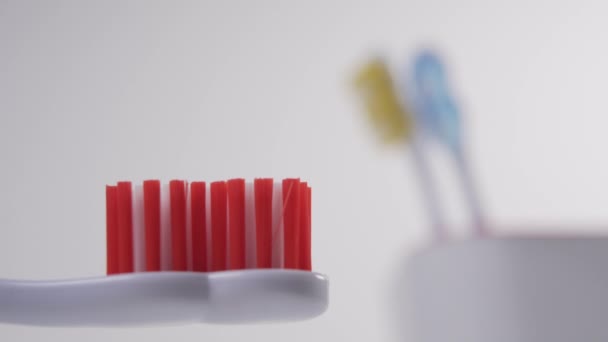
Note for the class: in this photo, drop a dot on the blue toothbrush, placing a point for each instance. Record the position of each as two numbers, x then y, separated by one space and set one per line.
438 118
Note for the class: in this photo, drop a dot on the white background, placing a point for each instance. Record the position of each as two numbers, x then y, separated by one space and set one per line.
95 92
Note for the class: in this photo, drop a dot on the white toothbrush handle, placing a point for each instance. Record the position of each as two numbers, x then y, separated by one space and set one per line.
166 298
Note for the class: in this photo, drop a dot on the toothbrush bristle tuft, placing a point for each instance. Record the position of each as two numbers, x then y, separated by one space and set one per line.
291 221
111 231
236 223
178 225
124 206
219 222
152 224
263 189
199 226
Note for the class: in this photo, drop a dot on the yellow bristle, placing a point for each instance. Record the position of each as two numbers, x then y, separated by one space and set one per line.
392 121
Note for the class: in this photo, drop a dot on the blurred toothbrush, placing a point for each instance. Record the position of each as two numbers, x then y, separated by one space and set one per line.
439 119
394 123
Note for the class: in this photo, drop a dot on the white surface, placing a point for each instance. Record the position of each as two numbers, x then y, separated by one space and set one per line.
517 289
95 92
162 298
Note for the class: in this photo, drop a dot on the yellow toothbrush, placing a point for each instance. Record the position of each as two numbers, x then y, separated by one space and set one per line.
394 123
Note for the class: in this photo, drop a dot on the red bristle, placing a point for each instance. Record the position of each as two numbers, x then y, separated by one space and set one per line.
198 213
124 206
263 221
218 226
179 259
304 233
152 224
236 223
111 231
291 220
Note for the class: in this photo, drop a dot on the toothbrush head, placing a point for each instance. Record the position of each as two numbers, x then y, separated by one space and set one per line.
375 86
436 110
208 226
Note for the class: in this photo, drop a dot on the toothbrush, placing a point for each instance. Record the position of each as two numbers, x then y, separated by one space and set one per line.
394 123
439 119
225 252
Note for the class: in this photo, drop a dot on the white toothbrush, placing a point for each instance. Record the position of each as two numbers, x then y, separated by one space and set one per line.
235 253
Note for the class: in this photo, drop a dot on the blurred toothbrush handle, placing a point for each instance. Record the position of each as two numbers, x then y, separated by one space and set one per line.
471 193
428 189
